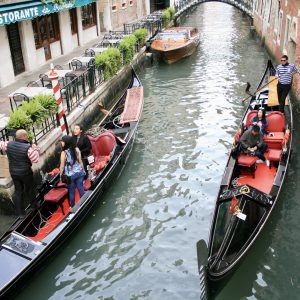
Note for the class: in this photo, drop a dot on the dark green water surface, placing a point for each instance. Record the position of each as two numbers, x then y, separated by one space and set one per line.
140 241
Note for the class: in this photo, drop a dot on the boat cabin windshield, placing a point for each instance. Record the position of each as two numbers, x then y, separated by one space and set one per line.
172 36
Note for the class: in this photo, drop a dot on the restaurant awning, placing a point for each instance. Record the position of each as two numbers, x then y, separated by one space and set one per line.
29 10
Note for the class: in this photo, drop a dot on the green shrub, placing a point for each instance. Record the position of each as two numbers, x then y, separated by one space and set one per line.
166 17
126 47
172 12
141 35
18 119
110 61
48 102
34 110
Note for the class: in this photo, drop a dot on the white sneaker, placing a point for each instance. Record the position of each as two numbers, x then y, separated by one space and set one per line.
259 161
267 163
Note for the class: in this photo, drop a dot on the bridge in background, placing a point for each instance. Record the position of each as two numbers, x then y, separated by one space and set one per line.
245 6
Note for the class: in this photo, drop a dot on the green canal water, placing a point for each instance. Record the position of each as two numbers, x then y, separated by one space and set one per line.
139 242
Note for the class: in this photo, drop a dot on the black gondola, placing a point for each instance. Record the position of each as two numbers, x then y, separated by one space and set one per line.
32 240
249 188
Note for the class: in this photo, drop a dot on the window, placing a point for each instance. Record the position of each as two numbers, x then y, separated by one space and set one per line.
279 25
88 15
114 5
73 20
45 28
124 2
287 30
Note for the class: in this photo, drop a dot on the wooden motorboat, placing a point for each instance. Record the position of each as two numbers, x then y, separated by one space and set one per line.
32 240
250 189
175 43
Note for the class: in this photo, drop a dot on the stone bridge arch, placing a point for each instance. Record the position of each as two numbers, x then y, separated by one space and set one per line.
246 6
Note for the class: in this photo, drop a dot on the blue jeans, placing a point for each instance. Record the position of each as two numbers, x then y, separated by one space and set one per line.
76 181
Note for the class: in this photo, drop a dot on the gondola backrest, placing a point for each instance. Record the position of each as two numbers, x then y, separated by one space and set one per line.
276 122
103 144
250 115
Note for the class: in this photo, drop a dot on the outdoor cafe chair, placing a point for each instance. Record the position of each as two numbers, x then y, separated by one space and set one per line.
46 81
32 84
89 53
18 98
77 65
58 67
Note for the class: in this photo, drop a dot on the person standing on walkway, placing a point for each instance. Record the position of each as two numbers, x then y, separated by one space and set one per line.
21 155
284 73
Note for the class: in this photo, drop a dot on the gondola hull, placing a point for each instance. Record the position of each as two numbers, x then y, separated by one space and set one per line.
249 191
21 256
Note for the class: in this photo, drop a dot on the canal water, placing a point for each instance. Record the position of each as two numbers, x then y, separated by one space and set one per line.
140 241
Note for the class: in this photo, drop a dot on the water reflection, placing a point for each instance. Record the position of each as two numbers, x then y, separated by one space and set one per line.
140 242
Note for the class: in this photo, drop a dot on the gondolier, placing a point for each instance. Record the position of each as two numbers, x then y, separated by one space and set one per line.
21 155
284 73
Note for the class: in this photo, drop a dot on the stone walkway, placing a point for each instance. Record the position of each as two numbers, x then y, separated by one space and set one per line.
24 78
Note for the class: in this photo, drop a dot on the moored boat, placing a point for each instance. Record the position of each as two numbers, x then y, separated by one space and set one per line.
175 43
250 189
30 241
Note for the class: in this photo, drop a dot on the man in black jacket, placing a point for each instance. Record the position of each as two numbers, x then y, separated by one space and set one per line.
21 155
251 142
83 143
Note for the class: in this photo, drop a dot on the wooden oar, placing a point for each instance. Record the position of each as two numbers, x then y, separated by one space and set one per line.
107 113
259 89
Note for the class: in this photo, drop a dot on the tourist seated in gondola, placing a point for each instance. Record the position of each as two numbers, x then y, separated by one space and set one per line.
260 120
71 165
83 143
251 142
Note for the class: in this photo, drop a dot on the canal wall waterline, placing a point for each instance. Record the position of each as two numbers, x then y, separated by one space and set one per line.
87 114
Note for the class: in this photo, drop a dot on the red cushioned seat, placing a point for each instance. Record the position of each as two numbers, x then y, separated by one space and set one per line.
274 140
57 195
250 115
274 155
247 161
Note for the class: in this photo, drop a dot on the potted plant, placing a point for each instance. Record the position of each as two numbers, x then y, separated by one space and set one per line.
141 35
126 47
48 102
34 110
18 120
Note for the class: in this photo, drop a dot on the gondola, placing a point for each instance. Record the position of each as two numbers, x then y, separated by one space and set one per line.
249 189
32 240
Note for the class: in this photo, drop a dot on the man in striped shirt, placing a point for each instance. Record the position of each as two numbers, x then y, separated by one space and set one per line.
21 155
284 73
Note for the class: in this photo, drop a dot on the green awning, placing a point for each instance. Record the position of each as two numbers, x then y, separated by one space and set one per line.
29 10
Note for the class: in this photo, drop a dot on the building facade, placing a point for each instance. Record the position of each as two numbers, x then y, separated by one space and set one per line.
277 24
34 32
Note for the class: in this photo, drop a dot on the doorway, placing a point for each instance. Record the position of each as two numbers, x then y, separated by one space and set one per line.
46 31
15 48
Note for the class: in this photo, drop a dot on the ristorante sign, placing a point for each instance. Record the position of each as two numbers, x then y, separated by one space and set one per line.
19 12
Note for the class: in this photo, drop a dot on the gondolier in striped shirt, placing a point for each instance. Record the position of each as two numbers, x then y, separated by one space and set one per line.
21 155
284 73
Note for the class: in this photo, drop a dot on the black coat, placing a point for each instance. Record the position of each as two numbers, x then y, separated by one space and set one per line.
84 145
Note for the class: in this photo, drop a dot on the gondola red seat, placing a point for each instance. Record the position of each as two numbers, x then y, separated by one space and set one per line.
274 155
57 195
248 162
102 147
250 115
275 129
